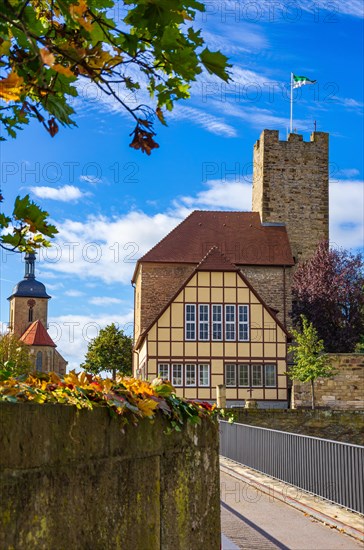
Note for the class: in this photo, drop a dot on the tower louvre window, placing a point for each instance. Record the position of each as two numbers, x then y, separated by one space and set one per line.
30 315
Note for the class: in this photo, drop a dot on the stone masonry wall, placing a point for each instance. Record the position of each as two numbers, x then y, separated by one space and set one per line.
269 283
159 283
344 391
83 480
21 311
290 185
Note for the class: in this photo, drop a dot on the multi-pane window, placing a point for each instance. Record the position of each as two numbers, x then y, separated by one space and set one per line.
190 375
230 375
229 322
177 375
257 375
243 323
243 373
203 313
270 376
163 371
190 322
217 322
204 375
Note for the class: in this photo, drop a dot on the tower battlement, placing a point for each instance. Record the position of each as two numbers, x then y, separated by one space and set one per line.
291 186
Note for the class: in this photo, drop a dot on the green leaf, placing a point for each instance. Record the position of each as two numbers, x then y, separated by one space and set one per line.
215 63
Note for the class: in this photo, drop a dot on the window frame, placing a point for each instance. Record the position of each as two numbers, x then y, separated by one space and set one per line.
243 323
247 365
208 385
252 385
204 322
213 323
230 323
172 372
226 365
168 370
186 375
265 375
190 322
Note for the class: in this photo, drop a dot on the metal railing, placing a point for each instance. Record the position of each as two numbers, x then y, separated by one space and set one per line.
329 469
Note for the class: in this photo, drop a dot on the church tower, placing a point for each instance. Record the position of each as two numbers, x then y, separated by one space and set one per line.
29 300
29 319
291 186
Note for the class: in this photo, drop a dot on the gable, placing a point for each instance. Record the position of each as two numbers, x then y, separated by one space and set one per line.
216 287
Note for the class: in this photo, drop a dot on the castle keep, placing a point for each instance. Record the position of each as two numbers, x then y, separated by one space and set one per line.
213 298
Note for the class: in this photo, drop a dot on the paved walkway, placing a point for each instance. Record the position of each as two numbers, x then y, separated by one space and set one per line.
254 517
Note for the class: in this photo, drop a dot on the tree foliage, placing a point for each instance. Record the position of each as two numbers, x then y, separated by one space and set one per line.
14 356
27 228
328 290
48 47
310 361
110 351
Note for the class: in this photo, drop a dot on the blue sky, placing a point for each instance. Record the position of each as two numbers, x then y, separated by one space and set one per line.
111 203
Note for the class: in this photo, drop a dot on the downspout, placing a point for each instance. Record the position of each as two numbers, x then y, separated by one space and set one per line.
284 297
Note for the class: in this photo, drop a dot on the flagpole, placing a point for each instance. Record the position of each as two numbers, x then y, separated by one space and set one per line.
291 113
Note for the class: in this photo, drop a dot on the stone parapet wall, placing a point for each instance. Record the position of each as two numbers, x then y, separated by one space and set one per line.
338 425
345 390
74 479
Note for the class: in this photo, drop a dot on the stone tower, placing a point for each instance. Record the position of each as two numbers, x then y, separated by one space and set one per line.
29 300
291 186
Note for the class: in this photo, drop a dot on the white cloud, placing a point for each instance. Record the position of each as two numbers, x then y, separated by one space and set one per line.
73 333
348 172
106 249
220 195
347 213
104 301
90 179
348 7
74 293
67 193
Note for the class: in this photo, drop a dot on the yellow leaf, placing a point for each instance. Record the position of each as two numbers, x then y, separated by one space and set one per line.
147 406
63 70
11 87
47 57
77 12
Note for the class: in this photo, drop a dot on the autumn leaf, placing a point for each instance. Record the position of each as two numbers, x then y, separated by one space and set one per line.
147 406
11 87
78 11
47 57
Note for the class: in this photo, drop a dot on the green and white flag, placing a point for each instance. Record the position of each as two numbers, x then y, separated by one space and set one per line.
299 81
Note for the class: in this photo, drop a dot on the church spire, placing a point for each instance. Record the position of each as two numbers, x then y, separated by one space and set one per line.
29 266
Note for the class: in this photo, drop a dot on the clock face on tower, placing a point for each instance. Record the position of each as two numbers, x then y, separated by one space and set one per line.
31 302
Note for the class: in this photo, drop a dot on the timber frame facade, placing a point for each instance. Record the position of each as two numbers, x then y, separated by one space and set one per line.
216 330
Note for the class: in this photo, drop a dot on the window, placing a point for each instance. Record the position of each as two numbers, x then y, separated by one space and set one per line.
203 322
243 323
190 322
204 375
30 315
217 322
270 376
229 322
230 375
257 378
243 375
177 377
163 371
39 361
190 375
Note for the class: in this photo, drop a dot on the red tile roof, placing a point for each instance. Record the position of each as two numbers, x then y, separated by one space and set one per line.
216 261
36 335
241 236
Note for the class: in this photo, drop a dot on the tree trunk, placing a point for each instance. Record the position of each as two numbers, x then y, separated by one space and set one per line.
313 394
114 374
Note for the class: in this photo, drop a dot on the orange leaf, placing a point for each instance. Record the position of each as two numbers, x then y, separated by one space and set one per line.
47 57
11 87
63 70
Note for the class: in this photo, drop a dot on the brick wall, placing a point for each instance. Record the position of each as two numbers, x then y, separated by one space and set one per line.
344 391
